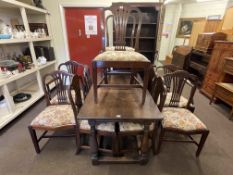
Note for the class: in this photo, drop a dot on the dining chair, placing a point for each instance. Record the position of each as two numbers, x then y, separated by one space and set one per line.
59 116
184 101
119 17
176 119
75 68
166 69
63 114
82 70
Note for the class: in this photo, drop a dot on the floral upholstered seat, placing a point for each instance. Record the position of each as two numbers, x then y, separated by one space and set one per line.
112 48
182 103
131 126
57 116
120 56
181 119
108 126
54 116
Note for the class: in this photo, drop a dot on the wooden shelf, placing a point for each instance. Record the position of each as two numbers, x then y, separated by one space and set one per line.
15 41
41 39
12 41
228 86
17 4
25 73
7 80
36 94
49 63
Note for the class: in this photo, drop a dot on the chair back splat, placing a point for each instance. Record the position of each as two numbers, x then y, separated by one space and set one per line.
82 71
167 69
123 16
178 80
64 84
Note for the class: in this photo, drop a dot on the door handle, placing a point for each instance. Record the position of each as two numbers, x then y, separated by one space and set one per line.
79 32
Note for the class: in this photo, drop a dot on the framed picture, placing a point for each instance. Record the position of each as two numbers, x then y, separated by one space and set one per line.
185 27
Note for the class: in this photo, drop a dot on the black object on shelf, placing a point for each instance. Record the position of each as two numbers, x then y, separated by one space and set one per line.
47 52
2 97
21 97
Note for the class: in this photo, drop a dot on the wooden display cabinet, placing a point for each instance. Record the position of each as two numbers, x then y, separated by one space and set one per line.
222 49
149 29
224 89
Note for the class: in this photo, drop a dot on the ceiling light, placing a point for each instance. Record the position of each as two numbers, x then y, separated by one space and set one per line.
203 0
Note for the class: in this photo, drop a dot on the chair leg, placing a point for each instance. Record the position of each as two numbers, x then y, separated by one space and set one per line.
132 80
78 141
34 139
160 140
153 142
202 142
231 114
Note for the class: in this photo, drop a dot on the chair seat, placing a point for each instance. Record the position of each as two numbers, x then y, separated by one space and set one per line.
112 48
120 56
108 126
182 103
181 119
54 116
131 127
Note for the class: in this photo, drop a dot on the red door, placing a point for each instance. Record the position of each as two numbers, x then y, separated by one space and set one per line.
82 46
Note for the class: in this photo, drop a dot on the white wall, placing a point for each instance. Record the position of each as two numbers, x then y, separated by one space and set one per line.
171 18
53 6
202 9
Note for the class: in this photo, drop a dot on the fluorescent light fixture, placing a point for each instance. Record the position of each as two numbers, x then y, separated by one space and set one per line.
203 0
170 1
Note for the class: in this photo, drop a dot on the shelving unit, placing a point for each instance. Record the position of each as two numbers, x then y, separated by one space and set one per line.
149 29
28 81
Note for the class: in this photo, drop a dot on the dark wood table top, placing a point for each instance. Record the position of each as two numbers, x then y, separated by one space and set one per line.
119 104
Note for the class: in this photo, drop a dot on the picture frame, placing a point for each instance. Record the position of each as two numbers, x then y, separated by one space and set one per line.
185 27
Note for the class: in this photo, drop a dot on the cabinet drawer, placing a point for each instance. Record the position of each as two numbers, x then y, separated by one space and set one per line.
228 67
208 89
224 94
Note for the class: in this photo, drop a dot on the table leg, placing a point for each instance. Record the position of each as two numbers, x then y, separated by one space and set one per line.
94 79
231 113
145 144
145 84
116 141
155 139
93 143
106 75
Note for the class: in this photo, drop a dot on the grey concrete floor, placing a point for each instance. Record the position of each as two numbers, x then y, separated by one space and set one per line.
17 155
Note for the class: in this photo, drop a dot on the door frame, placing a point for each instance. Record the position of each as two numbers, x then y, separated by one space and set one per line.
62 7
